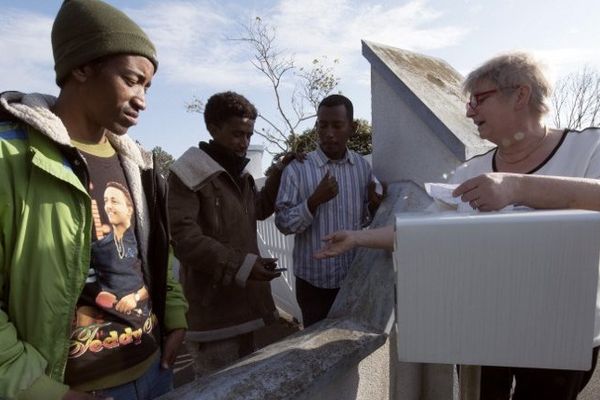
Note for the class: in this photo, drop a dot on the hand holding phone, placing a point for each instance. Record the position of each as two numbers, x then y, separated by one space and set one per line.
264 269
269 263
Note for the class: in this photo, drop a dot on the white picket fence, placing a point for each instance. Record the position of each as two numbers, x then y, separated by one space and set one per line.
273 243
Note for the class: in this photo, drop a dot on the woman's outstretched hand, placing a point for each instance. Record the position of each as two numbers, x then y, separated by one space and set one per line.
336 243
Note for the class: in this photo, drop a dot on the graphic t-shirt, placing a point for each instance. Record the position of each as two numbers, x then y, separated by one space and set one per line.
113 327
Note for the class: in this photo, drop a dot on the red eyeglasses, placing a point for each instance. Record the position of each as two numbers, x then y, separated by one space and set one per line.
478 98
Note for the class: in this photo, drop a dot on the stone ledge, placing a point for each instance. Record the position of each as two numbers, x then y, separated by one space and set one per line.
291 368
301 364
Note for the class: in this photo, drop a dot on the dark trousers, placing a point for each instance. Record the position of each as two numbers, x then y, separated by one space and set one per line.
314 302
534 383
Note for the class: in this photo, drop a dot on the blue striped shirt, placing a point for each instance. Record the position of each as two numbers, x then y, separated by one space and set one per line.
348 210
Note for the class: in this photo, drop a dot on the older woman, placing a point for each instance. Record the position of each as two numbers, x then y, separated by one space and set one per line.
532 165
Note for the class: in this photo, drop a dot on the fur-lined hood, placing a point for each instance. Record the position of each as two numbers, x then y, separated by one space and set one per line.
34 109
194 167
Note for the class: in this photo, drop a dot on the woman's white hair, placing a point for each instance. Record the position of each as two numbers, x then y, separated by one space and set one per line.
511 70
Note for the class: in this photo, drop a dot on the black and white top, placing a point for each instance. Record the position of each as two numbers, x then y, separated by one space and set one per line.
576 155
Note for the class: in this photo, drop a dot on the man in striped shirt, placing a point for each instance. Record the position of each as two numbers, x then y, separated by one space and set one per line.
332 189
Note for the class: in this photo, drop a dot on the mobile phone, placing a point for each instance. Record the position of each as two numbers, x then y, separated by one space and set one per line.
268 260
280 270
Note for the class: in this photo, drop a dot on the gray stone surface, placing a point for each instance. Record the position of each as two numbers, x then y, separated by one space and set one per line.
592 390
298 367
341 351
368 291
433 90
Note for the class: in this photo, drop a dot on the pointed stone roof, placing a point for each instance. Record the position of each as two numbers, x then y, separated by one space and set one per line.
432 88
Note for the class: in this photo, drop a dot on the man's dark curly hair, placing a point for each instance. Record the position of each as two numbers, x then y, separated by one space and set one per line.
222 106
334 100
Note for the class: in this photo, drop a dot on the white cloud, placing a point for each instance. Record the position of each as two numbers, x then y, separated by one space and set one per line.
191 38
565 60
26 63
193 45
313 28
338 26
193 48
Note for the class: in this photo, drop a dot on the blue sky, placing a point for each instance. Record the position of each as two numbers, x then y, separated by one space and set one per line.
196 59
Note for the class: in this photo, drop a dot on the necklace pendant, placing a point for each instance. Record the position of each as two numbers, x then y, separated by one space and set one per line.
527 154
119 245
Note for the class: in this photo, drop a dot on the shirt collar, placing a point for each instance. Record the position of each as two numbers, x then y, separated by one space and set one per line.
322 159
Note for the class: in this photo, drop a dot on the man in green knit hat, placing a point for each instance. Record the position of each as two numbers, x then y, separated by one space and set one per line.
88 307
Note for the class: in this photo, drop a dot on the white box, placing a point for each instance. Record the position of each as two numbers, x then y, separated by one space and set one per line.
505 289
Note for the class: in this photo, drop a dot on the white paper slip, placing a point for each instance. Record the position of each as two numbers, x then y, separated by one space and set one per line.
442 192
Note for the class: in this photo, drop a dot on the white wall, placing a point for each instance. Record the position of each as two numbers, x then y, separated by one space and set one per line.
255 154
273 243
404 147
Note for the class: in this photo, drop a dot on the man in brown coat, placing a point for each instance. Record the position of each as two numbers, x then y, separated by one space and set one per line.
213 209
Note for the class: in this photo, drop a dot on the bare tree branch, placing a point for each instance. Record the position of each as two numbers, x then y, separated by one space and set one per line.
274 126
310 85
576 99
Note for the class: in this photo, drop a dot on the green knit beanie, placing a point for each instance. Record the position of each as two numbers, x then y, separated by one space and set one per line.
85 30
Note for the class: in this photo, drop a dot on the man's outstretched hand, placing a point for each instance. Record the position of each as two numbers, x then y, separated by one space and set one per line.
285 160
294 155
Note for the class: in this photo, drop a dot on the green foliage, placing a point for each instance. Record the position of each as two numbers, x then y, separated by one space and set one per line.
163 161
315 84
361 141
307 141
